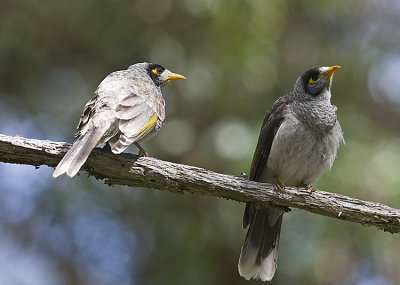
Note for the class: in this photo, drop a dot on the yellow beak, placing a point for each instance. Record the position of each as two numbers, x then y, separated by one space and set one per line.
331 70
173 76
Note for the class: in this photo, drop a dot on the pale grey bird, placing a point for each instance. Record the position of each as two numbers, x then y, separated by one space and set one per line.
127 105
298 142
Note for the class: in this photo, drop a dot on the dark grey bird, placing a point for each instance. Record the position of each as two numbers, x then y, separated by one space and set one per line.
127 105
298 141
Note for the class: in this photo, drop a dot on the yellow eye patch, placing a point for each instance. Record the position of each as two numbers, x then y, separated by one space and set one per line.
155 71
312 81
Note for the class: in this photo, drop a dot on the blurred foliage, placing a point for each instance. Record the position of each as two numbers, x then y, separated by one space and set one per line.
239 57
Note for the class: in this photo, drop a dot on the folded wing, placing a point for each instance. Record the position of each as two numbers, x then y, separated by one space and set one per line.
136 120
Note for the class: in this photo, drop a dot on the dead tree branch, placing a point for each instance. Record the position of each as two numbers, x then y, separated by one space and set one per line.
129 170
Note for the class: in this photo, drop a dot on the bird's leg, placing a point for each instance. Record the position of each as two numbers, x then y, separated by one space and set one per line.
307 186
142 152
278 186
106 148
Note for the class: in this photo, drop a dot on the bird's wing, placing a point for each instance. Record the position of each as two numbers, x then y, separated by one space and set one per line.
136 119
272 121
270 126
87 113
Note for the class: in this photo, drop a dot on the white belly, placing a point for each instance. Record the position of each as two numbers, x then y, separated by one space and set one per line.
300 155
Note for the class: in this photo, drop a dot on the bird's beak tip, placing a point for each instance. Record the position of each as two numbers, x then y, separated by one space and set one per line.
173 76
332 69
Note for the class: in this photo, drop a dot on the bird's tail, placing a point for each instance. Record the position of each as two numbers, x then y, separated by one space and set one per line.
78 153
260 250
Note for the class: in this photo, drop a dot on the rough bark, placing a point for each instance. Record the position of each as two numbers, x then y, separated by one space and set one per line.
129 170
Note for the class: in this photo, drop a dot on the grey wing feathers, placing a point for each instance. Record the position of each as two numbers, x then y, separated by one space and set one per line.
271 123
260 250
272 120
87 113
78 153
136 119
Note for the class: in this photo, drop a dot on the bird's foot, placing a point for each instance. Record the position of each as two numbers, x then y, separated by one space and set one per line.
278 186
311 188
307 186
106 148
142 152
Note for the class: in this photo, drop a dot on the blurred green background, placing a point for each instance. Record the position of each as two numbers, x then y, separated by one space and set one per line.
239 57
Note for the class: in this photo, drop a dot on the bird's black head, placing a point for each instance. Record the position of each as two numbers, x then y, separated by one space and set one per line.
160 75
316 80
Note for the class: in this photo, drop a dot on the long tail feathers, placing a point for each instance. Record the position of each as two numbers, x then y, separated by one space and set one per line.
78 153
260 250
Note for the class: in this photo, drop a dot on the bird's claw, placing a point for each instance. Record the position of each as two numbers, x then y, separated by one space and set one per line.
308 186
311 188
142 152
278 186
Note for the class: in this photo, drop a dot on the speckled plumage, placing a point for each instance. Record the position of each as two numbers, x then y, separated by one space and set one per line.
123 106
298 142
305 144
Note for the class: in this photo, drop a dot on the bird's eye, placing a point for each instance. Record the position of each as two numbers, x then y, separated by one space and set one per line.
157 71
313 79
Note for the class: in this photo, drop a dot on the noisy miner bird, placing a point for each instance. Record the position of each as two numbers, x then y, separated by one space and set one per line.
128 105
298 142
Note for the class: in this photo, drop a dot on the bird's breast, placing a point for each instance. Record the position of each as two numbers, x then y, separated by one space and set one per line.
300 154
